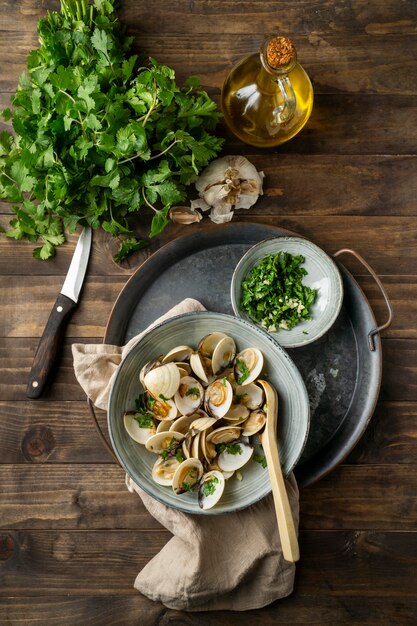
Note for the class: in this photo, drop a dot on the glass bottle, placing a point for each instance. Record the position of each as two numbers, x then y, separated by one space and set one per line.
267 98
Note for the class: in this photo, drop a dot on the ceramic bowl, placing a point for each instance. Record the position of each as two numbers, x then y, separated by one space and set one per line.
293 412
323 275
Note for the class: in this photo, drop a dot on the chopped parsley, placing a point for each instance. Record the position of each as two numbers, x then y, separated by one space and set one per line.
161 395
170 450
224 381
273 293
209 487
193 391
179 456
261 460
187 487
150 403
231 448
142 416
244 371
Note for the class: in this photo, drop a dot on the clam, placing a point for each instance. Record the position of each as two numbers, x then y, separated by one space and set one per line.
211 489
182 424
248 366
250 395
140 434
164 426
202 423
163 441
187 474
208 448
225 434
162 409
255 422
228 461
189 395
195 446
218 398
186 445
185 369
208 344
201 367
148 367
180 353
237 413
163 471
223 355
162 381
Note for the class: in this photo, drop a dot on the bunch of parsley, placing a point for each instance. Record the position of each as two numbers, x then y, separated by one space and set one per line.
97 137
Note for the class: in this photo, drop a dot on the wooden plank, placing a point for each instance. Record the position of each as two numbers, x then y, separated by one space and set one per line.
399 381
63 432
201 17
122 610
371 185
380 240
89 496
336 63
334 564
33 297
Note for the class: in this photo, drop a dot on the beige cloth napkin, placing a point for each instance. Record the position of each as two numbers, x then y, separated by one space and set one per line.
225 562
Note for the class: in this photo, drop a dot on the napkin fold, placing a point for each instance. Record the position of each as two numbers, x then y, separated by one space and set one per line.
225 562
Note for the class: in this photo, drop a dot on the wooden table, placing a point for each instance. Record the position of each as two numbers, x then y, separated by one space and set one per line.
72 538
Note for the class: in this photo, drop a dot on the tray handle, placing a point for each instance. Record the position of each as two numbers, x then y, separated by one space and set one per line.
100 432
377 330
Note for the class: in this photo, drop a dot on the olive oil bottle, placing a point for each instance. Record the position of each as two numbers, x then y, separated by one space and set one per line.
267 98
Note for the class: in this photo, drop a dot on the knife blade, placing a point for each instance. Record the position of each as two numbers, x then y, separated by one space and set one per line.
51 340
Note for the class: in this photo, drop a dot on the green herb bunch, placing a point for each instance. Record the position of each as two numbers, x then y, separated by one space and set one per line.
273 292
98 137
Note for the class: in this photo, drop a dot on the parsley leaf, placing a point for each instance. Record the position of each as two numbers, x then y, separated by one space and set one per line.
230 448
209 487
244 371
261 460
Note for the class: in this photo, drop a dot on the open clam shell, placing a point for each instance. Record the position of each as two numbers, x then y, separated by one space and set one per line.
164 426
138 433
248 366
255 423
201 367
187 474
223 355
163 441
180 353
211 489
251 395
225 434
229 462
189 395
162 409
163 471
218 398
208 344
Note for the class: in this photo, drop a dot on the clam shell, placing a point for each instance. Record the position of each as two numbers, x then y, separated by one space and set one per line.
207 448
225 434
180 353
223 355
208 343
217 482
182 424
253 360
252 396
214 466
201 367
237 413
164 410
138 434
189 472
255 422
163 471
162 441
163 380
164 426
148 367
218 398
202 423
229 462
187 404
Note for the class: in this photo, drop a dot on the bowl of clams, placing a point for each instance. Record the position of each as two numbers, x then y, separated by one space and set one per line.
187 410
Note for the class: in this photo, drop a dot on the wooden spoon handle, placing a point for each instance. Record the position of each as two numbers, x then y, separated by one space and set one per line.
286 527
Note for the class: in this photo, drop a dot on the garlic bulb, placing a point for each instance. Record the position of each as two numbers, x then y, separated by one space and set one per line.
228 183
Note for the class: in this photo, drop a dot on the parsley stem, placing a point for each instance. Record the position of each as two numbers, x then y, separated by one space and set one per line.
67 94
155 156
147 201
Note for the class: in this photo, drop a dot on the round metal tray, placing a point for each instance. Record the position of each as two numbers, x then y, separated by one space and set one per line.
341 370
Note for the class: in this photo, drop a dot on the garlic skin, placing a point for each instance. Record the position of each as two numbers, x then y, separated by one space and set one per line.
227 184
184 215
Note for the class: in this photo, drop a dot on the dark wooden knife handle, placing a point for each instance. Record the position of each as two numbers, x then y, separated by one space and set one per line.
49 346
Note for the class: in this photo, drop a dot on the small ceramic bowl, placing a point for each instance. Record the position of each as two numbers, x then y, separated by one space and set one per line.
323 275
188 329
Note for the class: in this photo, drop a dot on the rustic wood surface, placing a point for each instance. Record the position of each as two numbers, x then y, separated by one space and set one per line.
72 538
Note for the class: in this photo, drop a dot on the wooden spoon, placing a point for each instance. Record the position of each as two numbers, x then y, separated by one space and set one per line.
283 512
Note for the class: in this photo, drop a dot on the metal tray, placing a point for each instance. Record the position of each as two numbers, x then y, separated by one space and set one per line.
341 370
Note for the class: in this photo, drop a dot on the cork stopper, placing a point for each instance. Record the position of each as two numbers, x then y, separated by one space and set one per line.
280 52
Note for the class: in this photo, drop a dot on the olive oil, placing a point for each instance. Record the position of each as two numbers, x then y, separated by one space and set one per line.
265 105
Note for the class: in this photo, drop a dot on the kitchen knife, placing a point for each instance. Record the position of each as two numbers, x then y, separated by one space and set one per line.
51 340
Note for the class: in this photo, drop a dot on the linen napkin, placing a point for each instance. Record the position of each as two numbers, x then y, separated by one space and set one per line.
225 562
